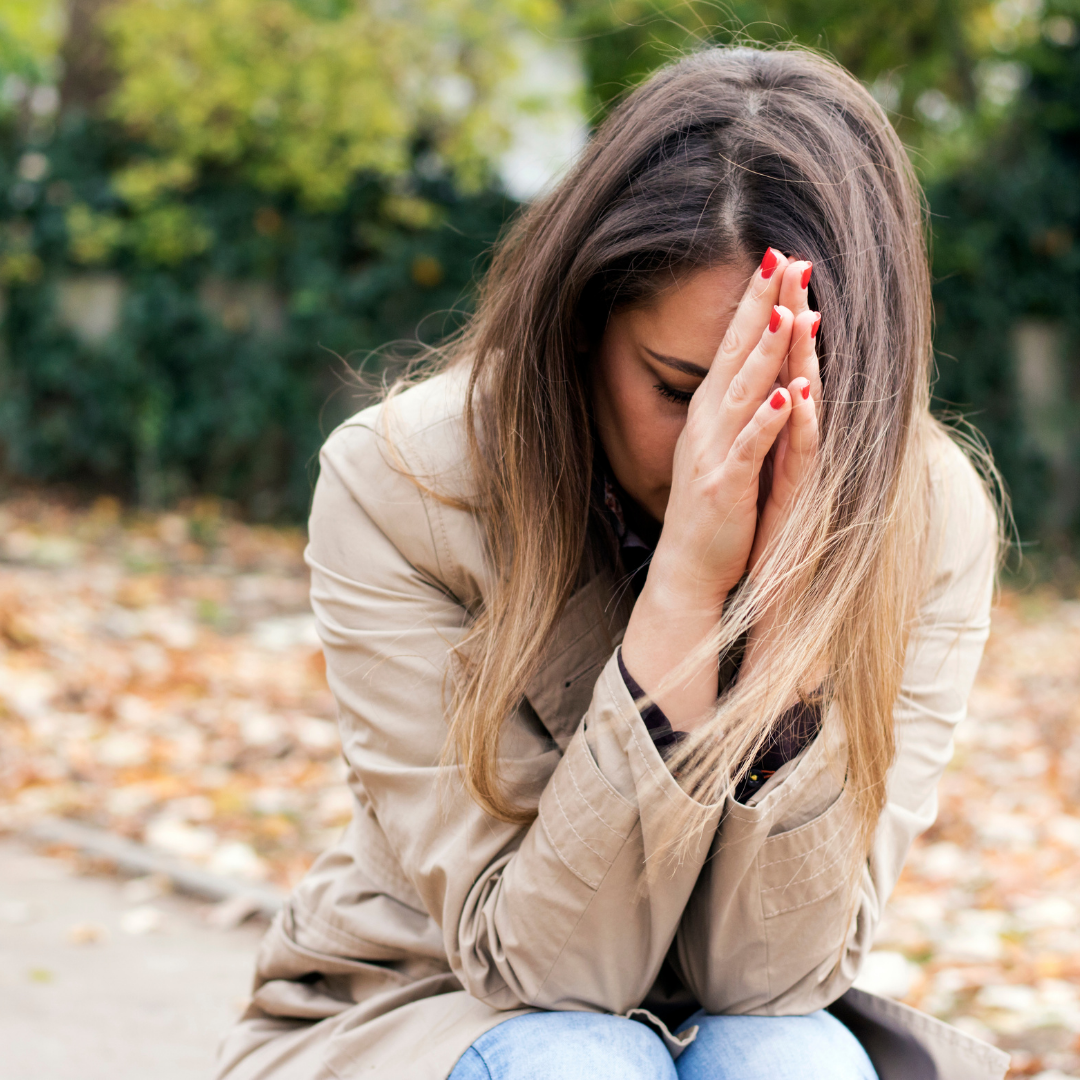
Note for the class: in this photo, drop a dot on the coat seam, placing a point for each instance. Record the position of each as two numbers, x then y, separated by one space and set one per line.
766 936
566 817
804 903
655 774
635 737
378 428
832 836
796 880
580 920
584 798
563 857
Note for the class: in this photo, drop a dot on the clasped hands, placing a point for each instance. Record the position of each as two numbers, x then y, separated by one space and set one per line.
763 390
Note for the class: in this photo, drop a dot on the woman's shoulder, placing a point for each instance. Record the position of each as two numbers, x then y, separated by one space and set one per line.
960 498
964 529
421 428
404 464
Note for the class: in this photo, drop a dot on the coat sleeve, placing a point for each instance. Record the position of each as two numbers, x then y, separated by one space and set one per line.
771 927
559 914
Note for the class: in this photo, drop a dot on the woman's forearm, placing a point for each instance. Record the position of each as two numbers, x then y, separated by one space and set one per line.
667 625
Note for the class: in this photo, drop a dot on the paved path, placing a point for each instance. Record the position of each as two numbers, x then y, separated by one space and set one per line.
102 980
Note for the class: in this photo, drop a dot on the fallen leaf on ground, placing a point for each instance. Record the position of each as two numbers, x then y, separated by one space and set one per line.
160 677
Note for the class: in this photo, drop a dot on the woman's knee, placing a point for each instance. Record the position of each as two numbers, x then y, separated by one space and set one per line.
814 1047
567 1046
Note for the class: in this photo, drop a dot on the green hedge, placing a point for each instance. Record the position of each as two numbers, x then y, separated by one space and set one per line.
1006 254
224 370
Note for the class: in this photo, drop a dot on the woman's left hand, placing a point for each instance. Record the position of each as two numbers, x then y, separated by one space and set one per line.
796 448
795 455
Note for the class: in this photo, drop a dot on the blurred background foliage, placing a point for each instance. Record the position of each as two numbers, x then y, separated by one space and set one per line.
211 209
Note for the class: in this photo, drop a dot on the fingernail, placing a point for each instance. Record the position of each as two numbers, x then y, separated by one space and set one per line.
814 328
806 275
768 263
774 320
777 400
805 391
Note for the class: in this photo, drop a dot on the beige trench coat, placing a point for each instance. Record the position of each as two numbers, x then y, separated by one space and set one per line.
429 922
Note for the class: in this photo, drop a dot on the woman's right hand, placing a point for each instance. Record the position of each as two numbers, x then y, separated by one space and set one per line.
712 513
734 419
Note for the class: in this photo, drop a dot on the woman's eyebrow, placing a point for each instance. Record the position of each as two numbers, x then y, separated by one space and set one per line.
696 370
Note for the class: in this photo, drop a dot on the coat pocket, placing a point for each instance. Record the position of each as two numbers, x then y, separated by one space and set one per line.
807 904
804 865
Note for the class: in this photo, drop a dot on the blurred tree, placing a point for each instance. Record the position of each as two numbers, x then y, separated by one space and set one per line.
1007 257
235 190
87 73
920 59
923 44
30 33
218 371
303 95
182 271
986 93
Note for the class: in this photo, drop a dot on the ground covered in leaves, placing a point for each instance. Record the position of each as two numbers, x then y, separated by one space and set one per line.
160 676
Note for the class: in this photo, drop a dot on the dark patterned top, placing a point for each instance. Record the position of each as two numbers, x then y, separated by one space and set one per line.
637 534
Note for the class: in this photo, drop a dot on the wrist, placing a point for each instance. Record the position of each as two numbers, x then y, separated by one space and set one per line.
666 626
673 583
666 619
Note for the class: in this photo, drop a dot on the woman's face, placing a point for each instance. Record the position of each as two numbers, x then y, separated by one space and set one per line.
650 361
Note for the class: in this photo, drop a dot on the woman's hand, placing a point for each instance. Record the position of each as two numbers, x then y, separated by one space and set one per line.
712 512
733 420
796 447
795 458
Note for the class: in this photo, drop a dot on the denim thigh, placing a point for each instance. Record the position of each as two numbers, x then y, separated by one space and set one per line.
814 1047
566 1046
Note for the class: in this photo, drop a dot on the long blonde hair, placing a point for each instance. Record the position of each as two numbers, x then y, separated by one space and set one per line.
713 159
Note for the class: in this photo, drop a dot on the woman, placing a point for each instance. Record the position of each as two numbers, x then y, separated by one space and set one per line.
689 420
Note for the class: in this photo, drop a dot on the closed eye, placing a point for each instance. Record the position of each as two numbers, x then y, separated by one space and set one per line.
679 397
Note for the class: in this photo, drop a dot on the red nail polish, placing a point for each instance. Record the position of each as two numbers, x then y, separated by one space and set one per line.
777 400
814 328
774 320
806 275
805 391
768 263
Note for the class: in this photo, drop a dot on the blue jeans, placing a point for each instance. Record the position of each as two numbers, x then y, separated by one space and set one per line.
596 1046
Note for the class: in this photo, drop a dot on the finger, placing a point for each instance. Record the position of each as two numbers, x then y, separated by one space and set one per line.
752 382
750 318
802 428
757 437
802 361
794 293
795 287
792 469
800 448
781 445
